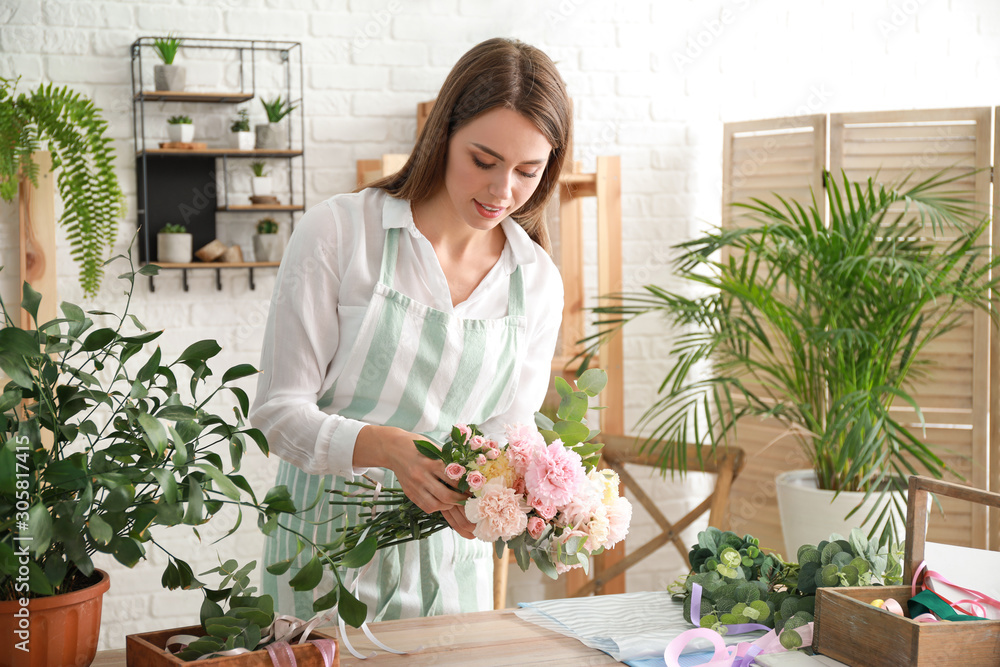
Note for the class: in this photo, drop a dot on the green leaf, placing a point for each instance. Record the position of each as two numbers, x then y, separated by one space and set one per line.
156 435
195 503
30 299
224 484
571 433
126 551
18 342
593 381
209 610
362 553
327 601
573 407
97 340
99 529
308 577
429 450
40 529
352 610
119 498
199 352
562 387
237 372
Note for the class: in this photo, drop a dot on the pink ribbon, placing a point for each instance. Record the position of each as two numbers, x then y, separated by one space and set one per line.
282 655
977 602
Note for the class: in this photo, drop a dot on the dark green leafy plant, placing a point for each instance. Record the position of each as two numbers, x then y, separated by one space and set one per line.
267 226
740 584
258 168
72 129
242 121
166 48
276 109
819 325
179 120
174 228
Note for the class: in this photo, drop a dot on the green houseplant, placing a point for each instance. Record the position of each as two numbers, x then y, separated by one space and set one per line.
180 129
820 326
260 180
272 136
268 245
174 244
103 440
168 76
69 126
243 138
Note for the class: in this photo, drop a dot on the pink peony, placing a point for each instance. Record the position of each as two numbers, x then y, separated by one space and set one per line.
519 486
496 513
583 505
523 441
454 470
475 480
536 527
619 517
546 510
555 475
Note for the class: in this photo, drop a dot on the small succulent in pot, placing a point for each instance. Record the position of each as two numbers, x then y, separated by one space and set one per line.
168 76
174 244
240 128
261 180
267 226
268 246
180 129
271 136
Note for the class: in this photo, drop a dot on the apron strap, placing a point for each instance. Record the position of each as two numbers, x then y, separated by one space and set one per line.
389 252
515 294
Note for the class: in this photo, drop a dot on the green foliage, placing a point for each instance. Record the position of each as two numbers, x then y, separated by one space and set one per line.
276 109
174 228
267 226
570 424
257 167
82 159
820 326
179 120
166 48
242 121
740 584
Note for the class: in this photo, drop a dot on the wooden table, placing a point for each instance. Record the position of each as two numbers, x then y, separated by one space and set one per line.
488 638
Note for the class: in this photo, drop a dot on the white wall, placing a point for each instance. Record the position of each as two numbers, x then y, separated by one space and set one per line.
651 81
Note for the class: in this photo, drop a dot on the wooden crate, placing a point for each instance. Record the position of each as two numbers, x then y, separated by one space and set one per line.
852 631
148 650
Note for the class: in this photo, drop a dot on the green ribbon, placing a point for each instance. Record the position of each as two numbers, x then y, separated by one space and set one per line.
929 601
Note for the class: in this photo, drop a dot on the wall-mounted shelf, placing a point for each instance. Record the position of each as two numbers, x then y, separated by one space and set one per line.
192 186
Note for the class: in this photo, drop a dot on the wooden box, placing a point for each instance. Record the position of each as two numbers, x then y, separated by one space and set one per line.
148 650
849 629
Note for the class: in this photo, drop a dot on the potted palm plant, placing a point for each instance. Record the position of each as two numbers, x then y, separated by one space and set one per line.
168 76
820 326
69 126
101 445
272 136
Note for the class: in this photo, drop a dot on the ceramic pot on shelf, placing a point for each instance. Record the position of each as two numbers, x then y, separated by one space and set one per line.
173 248
271 137
244 141
268 247
169 77
180 132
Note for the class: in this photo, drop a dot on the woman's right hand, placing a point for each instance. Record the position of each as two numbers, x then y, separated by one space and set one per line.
422 479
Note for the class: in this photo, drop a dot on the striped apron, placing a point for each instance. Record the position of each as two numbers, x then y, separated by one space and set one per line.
422 370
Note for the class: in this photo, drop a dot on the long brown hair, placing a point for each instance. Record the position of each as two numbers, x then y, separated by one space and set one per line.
496 73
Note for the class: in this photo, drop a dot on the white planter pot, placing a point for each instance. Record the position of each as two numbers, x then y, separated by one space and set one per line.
261 186
271 136
169 77
268 247
173 248
243 141
809 515
183 133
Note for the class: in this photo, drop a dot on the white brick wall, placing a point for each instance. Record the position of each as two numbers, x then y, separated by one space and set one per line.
652 81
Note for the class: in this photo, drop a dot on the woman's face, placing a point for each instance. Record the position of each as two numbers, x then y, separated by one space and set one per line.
494 165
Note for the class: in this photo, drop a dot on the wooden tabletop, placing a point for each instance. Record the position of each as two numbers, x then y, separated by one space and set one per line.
488 638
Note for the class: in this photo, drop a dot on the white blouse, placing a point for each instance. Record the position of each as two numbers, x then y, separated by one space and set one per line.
321 292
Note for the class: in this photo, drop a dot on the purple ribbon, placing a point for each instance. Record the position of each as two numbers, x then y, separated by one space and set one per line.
735 628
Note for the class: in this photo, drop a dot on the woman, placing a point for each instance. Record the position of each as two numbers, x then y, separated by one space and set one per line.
425 300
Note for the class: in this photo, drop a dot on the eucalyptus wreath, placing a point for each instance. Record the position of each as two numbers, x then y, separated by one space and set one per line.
82 158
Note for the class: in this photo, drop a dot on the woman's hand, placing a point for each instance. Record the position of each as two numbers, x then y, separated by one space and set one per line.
422 479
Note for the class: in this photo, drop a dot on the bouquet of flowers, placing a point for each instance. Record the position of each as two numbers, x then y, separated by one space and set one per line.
536 490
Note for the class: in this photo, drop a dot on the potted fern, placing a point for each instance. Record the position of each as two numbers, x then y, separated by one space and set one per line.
71 128
268 245
243 138
180 129
822 327
272 136
168 76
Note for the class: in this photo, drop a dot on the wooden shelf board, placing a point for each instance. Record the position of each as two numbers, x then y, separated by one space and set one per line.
190 96
219 152
263 207
214 265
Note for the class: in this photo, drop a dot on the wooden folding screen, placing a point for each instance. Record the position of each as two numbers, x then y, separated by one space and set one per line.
788 156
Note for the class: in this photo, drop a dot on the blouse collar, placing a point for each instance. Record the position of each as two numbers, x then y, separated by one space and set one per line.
520 249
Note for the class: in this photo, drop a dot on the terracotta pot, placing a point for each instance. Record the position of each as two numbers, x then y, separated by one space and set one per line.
61 629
